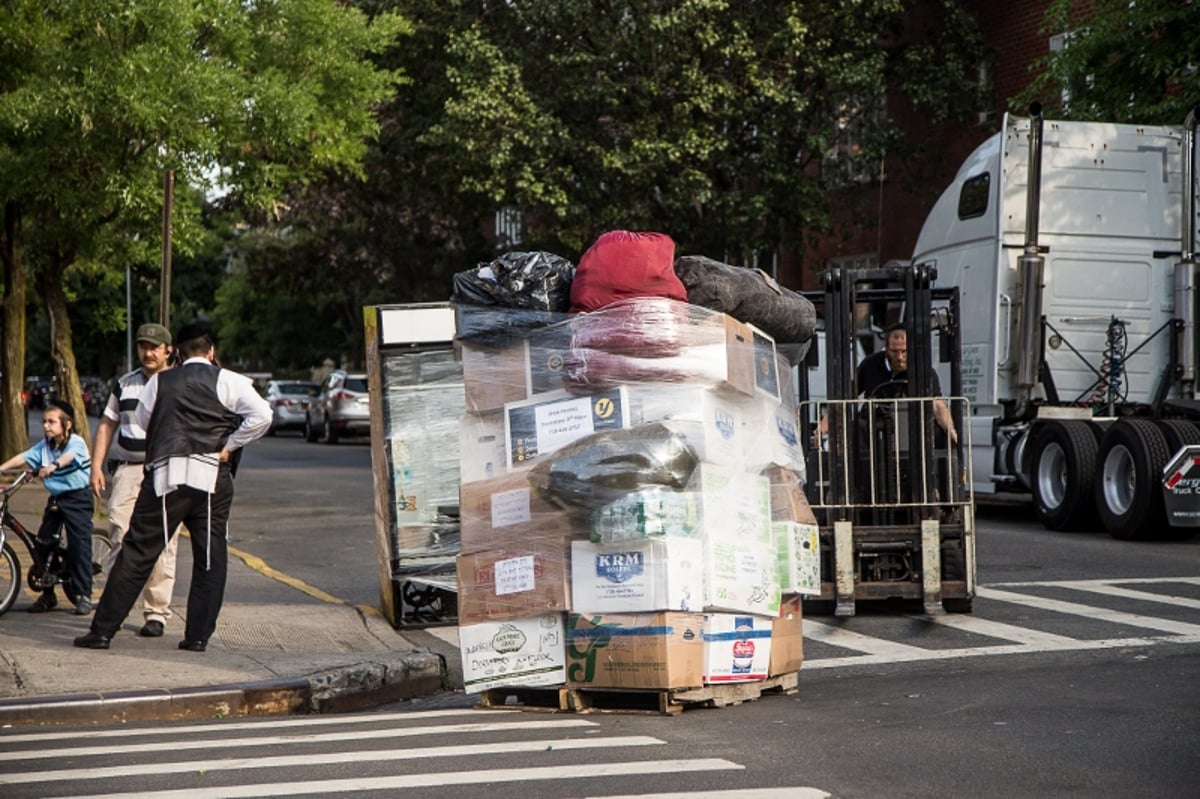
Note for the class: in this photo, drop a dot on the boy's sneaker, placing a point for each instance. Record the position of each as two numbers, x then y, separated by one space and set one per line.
44 603
84 606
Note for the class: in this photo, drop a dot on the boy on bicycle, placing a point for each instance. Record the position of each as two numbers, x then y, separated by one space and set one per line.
62 463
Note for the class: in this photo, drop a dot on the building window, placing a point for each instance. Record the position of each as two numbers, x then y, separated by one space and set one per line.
849 157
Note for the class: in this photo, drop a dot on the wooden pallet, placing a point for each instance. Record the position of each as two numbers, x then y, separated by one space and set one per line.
676 700
554 699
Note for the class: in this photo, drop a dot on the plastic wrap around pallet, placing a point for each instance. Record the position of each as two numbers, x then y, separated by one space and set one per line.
653 499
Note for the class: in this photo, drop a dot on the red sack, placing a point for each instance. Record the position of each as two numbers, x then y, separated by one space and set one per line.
622 264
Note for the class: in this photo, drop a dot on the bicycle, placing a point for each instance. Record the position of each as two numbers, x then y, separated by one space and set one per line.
49 559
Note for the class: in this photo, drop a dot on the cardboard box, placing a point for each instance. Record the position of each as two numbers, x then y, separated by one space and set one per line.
499 585
507 512
637 576
737 647
766 367
530 652
774 438
788 501
635 650
482 454
787 639
740 576
714 423
733 502
539 426
494 375
798 549
546 357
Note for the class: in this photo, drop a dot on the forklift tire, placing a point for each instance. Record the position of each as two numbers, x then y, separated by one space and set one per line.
960 604
1127 493
1062 473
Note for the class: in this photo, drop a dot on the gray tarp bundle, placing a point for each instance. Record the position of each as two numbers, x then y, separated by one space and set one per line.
748 295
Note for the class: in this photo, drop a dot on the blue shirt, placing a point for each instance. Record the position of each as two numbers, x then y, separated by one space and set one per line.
74 475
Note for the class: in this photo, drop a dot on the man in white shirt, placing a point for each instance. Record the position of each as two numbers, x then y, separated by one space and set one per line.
197 418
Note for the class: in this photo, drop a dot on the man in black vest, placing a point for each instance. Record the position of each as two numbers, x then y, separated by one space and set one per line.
196 418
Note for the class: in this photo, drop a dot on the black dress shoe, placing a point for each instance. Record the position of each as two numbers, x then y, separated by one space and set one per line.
193 646
151 629
93 640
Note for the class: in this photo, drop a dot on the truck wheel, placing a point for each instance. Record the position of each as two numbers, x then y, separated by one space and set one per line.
1062 468
1128 494
1179 434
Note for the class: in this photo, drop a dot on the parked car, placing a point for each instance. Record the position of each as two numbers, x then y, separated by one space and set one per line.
340 408
95 395
288 400
37 390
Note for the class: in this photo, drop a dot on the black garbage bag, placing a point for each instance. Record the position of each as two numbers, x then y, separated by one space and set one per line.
748 295
538 281
599 468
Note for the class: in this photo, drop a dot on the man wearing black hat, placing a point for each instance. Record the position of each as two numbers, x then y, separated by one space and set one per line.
121 444
196 416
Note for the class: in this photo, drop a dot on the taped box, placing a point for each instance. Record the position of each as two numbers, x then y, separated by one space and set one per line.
737 647
663 573
506 512
499 585
529 652
537 427
635 650
787 638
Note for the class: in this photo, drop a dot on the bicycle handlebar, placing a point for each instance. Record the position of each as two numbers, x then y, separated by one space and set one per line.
23 477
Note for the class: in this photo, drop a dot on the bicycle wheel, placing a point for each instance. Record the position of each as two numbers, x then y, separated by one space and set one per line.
10 577
101 552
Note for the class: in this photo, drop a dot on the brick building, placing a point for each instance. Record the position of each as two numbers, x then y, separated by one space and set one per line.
879 220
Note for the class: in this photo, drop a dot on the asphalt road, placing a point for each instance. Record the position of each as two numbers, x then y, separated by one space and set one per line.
1097 696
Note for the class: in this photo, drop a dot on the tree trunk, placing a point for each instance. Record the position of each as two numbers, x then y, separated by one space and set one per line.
14 431
62 349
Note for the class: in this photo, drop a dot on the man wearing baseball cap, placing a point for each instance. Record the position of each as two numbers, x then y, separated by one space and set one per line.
126 458
197 417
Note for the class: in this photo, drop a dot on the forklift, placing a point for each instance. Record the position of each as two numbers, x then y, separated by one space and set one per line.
892 495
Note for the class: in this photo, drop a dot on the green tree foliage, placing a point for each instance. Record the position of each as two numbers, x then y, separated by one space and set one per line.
713 120
98 98
1123 62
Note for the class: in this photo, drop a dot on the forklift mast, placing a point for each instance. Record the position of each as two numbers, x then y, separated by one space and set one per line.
889 497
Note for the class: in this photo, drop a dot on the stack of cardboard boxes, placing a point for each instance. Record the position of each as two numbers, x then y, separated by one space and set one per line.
647 583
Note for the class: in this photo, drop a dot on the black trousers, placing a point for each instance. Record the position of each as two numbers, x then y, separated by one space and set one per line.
73 510
207 519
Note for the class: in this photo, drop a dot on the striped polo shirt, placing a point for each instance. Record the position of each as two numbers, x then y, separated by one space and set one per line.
130 443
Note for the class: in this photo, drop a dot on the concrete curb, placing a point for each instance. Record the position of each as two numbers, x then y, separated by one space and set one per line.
353 687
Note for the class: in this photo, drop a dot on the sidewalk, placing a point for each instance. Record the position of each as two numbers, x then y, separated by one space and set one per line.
276 650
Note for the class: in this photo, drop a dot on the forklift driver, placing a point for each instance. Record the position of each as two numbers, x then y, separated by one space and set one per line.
884 375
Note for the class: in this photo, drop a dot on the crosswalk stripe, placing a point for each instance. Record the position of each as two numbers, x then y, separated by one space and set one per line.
409 781
1097 587
226 727
315 759
839 636
744 793
1070 644
229 743
1090 611
996 629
